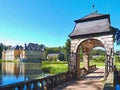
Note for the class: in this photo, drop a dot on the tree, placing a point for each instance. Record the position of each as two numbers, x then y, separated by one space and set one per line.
117 52
42 46
61 56
67 47
98 52
117 36
49 50
1 49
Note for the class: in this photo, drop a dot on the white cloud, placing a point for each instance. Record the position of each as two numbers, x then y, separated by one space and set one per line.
7 41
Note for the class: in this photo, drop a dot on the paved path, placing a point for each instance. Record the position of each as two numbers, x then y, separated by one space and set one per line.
92 81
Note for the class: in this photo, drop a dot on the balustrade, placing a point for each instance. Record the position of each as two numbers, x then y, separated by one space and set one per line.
92 68
47 82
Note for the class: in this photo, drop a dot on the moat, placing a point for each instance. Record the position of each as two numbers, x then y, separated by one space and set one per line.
16 72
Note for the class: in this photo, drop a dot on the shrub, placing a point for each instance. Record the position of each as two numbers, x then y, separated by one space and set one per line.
61 56
99 59
117 58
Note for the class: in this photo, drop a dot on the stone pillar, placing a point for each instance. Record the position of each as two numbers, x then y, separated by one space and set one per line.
78 64
72 61
86 60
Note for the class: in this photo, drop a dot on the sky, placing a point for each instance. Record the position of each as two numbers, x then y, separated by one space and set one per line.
48 22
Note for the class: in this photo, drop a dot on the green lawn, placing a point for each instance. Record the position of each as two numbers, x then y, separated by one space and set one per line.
54 67
59 67
98 64
102 64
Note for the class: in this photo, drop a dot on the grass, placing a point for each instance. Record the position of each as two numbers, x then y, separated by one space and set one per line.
53 67
15 61
98 64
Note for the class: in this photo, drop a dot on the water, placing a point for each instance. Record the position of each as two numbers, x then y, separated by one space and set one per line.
118 87
17 72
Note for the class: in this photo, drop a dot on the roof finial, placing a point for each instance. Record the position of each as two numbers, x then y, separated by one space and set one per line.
93 7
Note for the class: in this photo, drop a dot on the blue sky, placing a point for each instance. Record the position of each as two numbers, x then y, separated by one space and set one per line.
48 22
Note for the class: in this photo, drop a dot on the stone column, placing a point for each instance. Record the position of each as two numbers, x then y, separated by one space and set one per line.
72 61
78 64
86 60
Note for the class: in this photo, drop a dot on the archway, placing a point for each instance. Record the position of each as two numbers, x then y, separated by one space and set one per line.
98 57
86 46
93 30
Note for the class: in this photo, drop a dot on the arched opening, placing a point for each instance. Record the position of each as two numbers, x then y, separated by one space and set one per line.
98 54
98 57
84 49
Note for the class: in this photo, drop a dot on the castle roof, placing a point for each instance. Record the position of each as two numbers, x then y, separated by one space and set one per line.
34 47
17 47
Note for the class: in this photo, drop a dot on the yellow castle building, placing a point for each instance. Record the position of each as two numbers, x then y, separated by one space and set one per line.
28 52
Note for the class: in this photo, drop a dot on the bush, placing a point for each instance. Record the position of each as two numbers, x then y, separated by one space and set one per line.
117 59
61 56
99 59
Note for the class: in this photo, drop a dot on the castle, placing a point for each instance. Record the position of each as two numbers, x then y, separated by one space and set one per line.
28 52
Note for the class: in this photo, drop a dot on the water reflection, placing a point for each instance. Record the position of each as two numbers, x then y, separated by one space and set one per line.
16 72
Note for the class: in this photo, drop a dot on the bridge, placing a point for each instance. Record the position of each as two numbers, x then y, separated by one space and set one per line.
91 81
94 80
94 30
46 83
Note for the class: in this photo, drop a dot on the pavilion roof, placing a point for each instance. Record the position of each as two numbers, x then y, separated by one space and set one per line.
92 24
92 16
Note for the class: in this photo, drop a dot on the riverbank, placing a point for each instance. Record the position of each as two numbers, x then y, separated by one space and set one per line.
9 61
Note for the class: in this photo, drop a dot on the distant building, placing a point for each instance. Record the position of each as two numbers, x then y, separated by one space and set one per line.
52 55
28 52
12 53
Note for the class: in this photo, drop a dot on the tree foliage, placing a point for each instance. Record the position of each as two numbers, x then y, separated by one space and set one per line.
99 59
54 50
117 36
61 56
67 48
117 59
62 50
98 52
1 49
98 55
